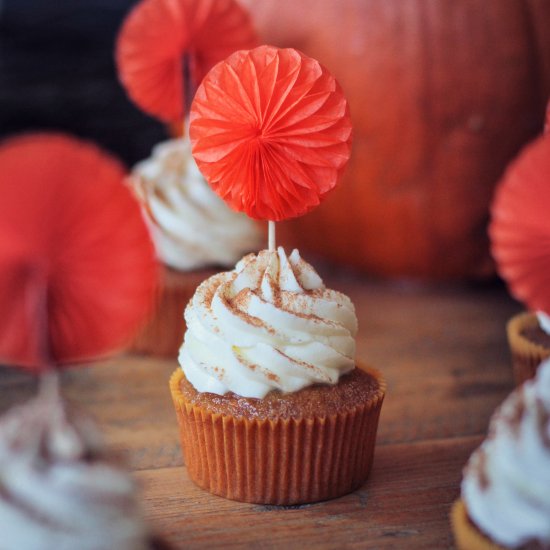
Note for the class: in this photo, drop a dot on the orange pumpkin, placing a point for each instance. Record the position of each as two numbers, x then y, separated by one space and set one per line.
442 95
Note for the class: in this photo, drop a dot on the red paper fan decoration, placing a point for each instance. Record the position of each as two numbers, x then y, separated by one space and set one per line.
271 132
158 35
520 226
77 268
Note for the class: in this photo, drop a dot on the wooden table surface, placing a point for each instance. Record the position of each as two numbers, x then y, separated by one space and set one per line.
444 355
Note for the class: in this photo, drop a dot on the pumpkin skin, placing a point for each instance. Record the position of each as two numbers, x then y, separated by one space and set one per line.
442 94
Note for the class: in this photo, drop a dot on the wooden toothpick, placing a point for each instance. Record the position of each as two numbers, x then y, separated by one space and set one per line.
271 235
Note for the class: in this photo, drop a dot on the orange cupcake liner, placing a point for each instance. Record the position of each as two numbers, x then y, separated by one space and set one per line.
467 536
282 462
526 355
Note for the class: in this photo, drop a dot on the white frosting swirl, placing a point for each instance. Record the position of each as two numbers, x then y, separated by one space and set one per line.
191 226
56 491
506 484
269 324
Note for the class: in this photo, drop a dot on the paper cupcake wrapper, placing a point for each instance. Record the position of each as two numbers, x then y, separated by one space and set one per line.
282 462
467 536
163 334
526 355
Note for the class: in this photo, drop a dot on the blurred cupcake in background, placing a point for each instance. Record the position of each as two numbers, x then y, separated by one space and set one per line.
505 494
529 339
520 244
164 49
59 487
75 285
195 235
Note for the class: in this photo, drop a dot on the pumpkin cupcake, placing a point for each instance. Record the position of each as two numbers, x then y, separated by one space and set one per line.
271 404
520 243
505 500
58 486
529 340
75 285
163 51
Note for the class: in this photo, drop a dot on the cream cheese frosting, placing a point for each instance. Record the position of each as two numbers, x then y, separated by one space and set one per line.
56 489
270 324
506 485
191 226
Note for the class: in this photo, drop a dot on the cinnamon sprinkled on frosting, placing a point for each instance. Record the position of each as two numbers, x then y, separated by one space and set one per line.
272 324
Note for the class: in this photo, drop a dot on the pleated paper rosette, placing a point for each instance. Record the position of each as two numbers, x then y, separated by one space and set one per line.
271 132
164 42
77 268
520 226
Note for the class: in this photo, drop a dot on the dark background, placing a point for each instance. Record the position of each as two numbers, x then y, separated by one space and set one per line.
57 72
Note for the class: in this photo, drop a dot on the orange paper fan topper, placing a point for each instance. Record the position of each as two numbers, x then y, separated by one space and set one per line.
77 267
271 132
165 43
520 226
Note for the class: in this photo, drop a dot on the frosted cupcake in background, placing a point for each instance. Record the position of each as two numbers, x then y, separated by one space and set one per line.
520 244
163 50
195 235
58 488
529 340
505 496
75 285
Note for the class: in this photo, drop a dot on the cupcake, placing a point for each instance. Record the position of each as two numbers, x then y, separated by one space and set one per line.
163 50
505 495
194 232
529 340
75 285
58 488
271 405
520 244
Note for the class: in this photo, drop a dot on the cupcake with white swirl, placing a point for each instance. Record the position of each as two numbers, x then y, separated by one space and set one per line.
529 339
271 405
57 490
195 234
505 500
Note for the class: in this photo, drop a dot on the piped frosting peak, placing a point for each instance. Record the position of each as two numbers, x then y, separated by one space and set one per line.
270 324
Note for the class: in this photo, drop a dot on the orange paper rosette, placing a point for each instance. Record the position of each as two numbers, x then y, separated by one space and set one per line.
77 268
156 37
520 226
271 132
